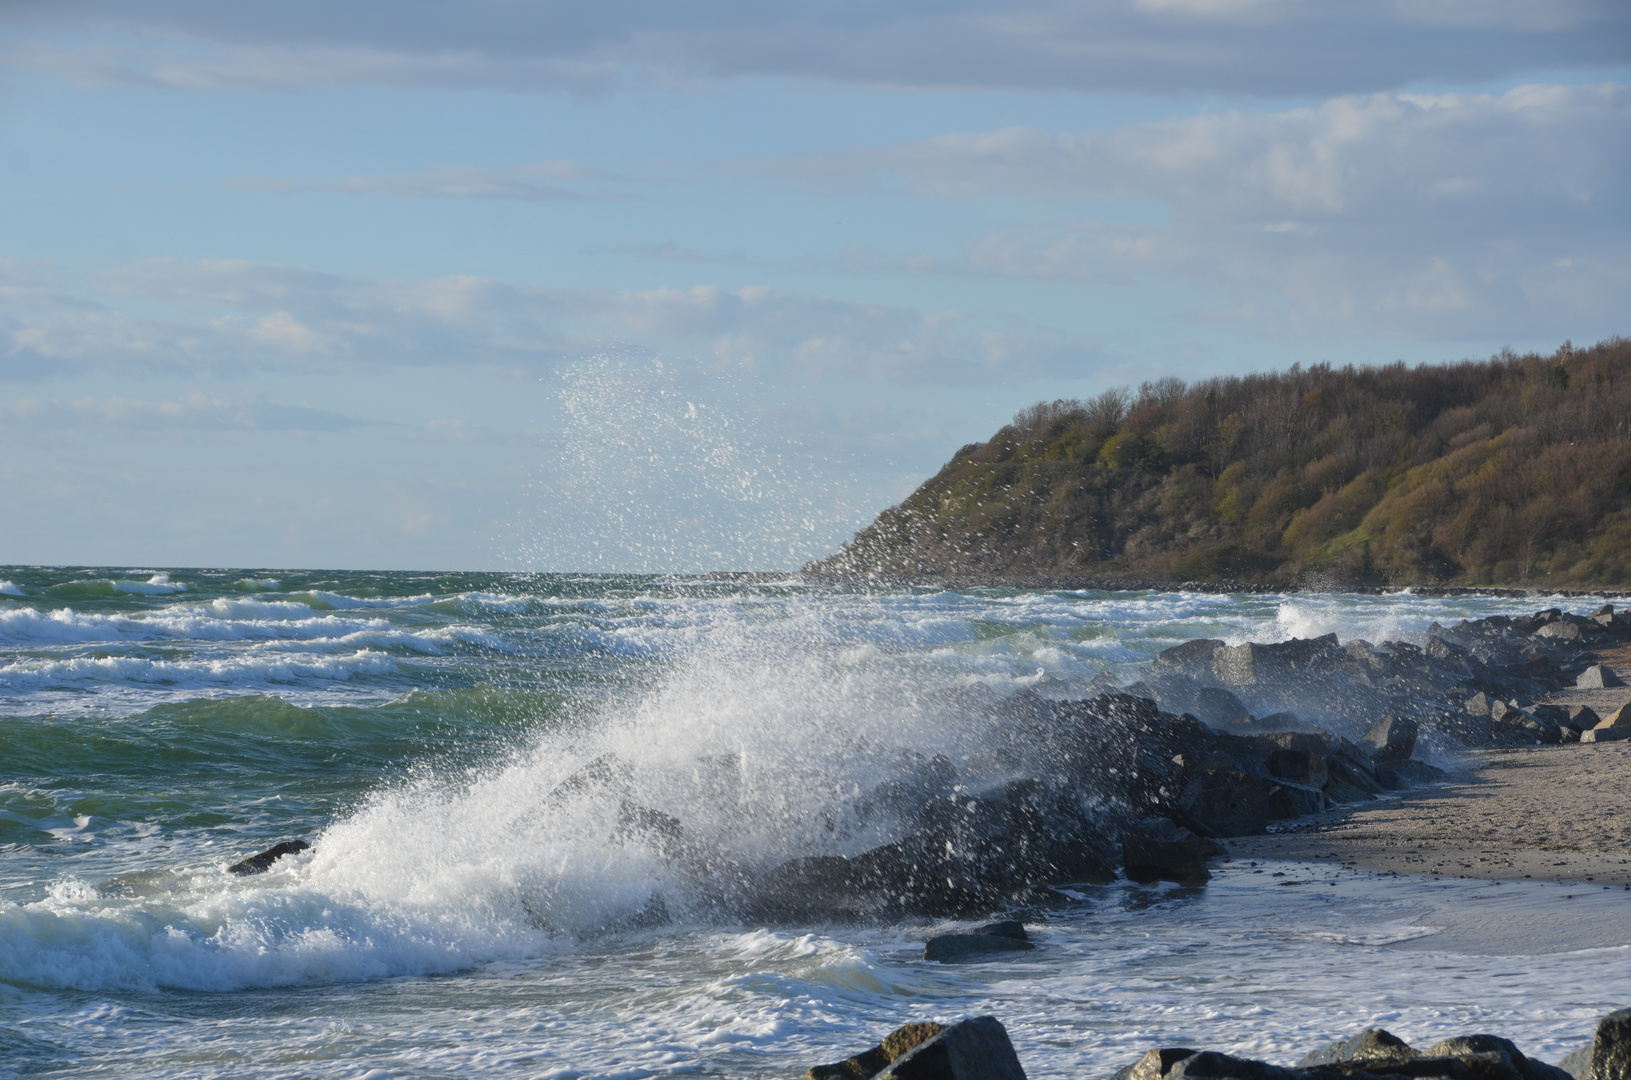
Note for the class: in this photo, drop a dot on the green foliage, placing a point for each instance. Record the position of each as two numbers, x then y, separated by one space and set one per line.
1510 471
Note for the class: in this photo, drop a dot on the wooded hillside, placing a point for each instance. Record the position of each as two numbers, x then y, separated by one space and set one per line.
1510 471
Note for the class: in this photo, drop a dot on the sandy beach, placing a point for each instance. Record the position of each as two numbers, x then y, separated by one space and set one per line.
1552 813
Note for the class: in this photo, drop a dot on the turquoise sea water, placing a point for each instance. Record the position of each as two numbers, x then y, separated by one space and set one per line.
157 725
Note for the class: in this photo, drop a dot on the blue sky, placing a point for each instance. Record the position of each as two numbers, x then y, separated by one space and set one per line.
637 286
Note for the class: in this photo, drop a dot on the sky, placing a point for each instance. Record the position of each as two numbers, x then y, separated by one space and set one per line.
664 287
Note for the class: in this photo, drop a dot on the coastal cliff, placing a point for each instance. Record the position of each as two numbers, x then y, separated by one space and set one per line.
1515 471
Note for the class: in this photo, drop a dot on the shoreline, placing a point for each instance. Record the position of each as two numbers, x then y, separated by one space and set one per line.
1558 814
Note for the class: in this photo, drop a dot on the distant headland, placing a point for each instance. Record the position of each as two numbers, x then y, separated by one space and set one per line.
1511 472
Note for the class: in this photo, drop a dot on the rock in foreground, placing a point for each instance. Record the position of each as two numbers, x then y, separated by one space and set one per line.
974 1049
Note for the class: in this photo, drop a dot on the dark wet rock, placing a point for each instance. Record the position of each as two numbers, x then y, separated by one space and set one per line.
1514 724
1159 849
1211 1065
1583 717
1368 1045
974 1049
1299 767
1280 721
1603 735
1219 707
1608 1055
1408 774
1391 740
259 864
868 1063
1473 1046
1003 937
1233 804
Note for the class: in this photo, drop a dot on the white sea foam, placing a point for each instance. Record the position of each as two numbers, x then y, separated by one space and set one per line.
8 589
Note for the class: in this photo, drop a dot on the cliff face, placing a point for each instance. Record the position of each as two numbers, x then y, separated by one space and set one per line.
1511 471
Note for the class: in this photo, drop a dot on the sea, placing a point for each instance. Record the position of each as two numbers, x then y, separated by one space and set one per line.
452 918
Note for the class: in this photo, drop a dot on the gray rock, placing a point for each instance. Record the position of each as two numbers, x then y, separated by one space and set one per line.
1478 704
1155 1064
1254 663
1391 740
868 1063
1192 658
1477 1045
1597 677
1608 1055
1159 849
974 1049
1599 735
1561 630
1303 767
1368 1044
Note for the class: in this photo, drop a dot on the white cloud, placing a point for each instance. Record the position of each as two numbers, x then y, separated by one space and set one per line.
1456 215
243 316
1149 46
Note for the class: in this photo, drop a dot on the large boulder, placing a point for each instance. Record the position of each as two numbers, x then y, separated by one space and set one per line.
1472 1046
1159 849
974 1049
1608 1055
1391 740
1252 663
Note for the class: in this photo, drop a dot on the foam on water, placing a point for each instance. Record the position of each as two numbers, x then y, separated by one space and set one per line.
8 589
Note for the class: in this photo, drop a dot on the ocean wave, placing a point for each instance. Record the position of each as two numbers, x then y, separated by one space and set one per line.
330 601
27 674
8 589
157 585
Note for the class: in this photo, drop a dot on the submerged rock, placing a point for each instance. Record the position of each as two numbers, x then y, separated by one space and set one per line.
259 864
999 937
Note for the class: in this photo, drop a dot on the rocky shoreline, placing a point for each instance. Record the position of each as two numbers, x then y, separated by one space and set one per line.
979 1049
1145 780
